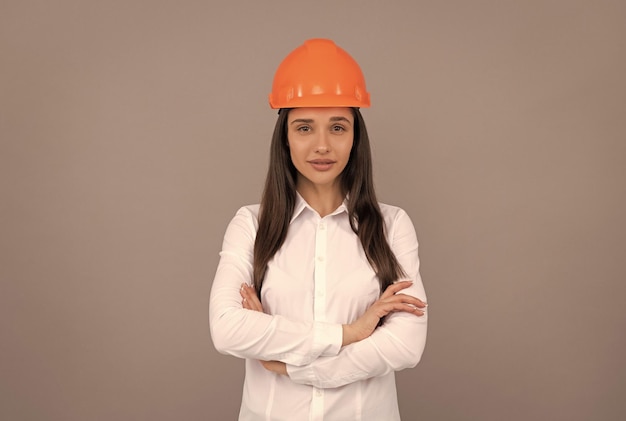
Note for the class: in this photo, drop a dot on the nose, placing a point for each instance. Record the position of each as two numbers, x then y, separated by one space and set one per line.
322 146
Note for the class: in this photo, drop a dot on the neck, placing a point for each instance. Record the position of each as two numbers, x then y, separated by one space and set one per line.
324 199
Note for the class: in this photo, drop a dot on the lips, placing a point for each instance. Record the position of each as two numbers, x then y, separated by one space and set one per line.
322 164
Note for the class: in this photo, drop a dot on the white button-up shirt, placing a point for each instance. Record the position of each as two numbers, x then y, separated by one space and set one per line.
318 280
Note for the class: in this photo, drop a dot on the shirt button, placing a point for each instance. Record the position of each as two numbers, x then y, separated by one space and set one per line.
320 258
322 226
318 393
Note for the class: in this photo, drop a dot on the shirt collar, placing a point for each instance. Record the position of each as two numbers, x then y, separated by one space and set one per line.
301 205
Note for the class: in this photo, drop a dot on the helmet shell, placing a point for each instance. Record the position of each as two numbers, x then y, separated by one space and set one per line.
318 74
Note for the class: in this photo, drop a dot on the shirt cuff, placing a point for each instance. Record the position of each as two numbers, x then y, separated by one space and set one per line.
327 339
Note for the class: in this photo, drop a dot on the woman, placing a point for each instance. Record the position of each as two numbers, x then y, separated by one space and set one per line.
318 286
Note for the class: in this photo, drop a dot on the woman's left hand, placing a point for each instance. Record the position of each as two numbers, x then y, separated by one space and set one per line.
250 301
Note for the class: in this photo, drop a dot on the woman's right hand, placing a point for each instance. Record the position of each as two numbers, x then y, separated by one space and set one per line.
389 302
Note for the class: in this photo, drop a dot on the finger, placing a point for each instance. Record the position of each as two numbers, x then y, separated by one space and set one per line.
413 310
402 307
247 300
410 300
401 302
247 291
243 290
396 287
251 299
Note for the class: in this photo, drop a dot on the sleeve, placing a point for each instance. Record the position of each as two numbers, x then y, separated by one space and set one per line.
396 345
250 334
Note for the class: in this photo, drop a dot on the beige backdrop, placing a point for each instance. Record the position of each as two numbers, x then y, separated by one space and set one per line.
131 131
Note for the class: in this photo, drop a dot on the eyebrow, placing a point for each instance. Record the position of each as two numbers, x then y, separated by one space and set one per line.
310 120
333 119
302 120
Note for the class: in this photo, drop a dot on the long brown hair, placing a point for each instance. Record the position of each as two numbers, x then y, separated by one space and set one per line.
279 198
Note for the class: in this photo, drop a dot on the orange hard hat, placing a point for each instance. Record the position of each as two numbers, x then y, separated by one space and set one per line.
319 74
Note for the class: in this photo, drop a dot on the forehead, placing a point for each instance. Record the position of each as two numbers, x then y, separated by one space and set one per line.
320 113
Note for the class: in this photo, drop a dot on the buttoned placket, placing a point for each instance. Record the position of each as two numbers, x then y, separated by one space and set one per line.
319 311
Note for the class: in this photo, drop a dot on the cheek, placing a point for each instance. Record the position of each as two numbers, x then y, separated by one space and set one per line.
296 158
293 153
347 150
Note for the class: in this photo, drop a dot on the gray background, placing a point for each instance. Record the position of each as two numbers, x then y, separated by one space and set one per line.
131 131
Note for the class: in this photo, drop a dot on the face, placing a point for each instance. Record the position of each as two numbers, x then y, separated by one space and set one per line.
320 141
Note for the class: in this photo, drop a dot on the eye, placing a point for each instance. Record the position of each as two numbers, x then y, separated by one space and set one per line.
338 128
304 128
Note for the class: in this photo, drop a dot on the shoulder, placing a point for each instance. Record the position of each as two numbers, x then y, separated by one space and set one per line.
248 212
391 213
244 224
396 220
